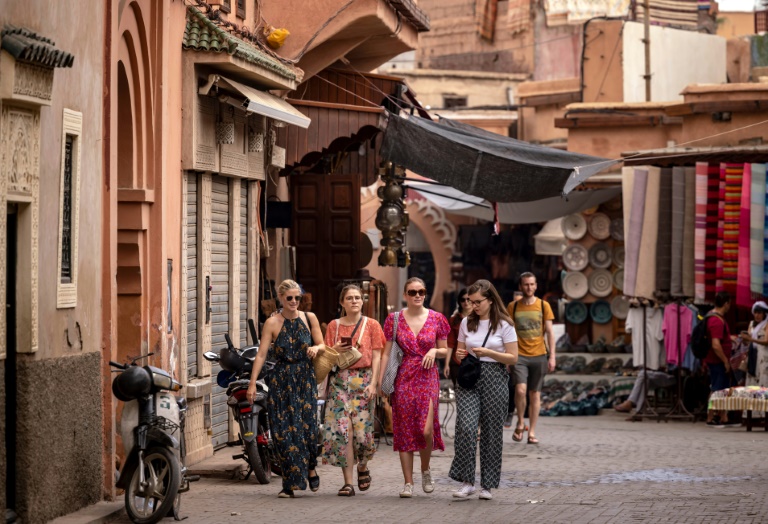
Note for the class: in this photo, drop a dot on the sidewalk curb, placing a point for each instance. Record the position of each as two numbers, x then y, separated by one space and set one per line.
99 513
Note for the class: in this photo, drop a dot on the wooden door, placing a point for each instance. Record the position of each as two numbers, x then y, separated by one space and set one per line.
326 233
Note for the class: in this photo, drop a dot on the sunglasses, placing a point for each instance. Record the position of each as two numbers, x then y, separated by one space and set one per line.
413 292
291 298
465 299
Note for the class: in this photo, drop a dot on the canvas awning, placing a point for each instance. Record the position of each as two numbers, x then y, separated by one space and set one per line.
483 164
263 103
454 201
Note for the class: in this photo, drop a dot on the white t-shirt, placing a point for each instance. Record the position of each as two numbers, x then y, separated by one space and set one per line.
504 334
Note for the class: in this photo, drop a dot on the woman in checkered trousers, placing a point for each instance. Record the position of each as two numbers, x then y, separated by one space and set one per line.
487 333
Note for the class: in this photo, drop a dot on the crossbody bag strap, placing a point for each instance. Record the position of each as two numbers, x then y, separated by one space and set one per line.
394 329
362 330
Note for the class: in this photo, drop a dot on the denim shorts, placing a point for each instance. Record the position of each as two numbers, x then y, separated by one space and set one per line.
718 378
530 371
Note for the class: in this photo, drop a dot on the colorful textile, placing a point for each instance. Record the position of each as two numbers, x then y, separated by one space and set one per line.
734 174
719 268
348 418
678 219
486 24
518 16
754 398
757 228
676 342
713 199
765 245
415 387
689 230
292 404
680 13
700 237
664 243
743 294
639 180
646 265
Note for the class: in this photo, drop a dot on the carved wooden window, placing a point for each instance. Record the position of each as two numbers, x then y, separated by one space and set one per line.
241 8
226 6
69 209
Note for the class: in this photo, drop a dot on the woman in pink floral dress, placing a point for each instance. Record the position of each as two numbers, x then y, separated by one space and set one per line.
422 335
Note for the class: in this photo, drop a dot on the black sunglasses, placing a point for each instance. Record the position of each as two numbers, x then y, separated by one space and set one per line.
291 298
413 292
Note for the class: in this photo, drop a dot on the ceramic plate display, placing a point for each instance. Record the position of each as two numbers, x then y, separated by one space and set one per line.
576 312
618 279
600 255
575 257
620 307
575 284
618 256
600 311
574 226
590 211
617 229
600 226
600 283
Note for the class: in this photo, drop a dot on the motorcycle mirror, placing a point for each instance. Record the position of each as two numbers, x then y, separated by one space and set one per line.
211 356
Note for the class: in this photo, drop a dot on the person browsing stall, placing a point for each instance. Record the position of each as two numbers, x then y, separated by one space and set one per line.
488 334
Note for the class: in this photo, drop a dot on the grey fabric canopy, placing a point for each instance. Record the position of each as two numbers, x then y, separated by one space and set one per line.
483 164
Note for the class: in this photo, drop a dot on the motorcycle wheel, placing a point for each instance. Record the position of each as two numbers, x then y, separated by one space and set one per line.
149 504
257 465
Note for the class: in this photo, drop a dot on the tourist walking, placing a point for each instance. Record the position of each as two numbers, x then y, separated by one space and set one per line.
296 339
348 432
463 309
533 322
422 335
488 334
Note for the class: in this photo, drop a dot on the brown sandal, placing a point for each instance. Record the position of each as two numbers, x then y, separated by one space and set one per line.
363 479
347 491
517 434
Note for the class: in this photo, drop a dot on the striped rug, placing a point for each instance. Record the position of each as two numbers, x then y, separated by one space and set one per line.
689 232
720 230
734 173
743 294
635 230
713 211
757 228
678 219
646 265
700 234
664 242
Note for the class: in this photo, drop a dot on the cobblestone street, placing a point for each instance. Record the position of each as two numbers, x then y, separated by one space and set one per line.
586 470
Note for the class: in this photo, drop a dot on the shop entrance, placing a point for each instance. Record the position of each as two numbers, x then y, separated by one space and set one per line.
10 363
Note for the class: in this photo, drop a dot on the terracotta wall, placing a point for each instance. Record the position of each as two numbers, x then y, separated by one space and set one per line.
730 24
610 142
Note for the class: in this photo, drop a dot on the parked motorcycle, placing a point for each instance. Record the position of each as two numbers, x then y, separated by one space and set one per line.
152 428
255 436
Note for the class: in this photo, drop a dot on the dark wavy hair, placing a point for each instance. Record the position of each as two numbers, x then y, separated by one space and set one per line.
498 311
463 293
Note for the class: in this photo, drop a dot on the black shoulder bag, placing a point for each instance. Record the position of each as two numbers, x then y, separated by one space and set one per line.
469 369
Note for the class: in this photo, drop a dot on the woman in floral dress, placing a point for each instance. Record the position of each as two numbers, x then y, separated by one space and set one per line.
348 433
422 335
292 388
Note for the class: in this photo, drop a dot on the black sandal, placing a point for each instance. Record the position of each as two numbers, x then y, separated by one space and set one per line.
347 491
314 482
363 477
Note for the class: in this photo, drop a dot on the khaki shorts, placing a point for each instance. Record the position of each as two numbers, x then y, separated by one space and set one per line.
530 371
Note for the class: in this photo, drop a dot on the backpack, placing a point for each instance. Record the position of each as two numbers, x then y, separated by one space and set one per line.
701 341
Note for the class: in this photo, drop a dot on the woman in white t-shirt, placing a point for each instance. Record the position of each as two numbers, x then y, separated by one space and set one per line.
489 334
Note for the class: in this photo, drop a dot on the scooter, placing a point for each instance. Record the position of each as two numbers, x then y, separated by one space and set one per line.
152 428
255 437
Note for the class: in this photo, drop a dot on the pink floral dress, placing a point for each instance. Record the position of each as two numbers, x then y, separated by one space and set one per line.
416 387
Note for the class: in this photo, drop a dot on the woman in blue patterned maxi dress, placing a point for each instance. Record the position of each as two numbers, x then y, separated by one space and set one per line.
292 388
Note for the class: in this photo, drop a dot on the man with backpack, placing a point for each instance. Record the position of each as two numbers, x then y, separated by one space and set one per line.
533 320
717 339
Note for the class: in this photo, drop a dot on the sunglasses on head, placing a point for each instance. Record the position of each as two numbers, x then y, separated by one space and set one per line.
413 292
291 298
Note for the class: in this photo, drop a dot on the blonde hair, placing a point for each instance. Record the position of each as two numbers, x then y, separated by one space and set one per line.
413 280
287 285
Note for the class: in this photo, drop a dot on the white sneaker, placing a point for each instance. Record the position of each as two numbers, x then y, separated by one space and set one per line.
485 494
426 481
407 491
464 491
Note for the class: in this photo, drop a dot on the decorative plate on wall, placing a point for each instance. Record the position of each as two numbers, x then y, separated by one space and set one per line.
600 311
574 226
575 284
600 226
576 312
618 279
600 283
618 256
575 257
617 229
600 255
620 307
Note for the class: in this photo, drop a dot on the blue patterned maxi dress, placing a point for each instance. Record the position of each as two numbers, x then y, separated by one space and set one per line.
293 404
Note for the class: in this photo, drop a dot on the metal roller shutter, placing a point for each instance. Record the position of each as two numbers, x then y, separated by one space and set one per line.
191 263
244 264
219 301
